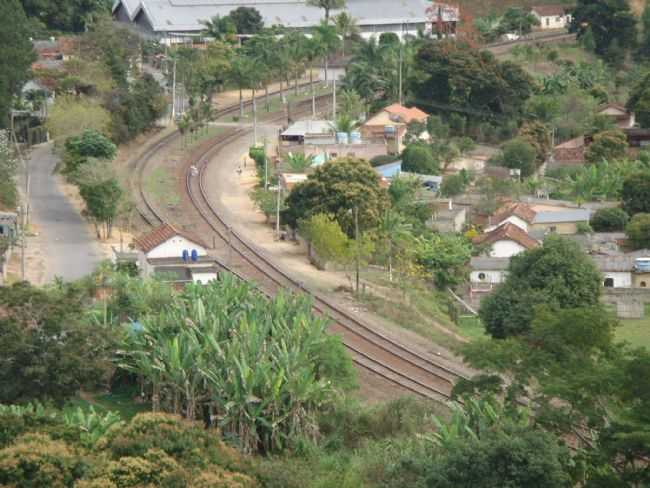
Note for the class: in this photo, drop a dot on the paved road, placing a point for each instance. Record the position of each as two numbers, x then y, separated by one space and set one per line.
69 249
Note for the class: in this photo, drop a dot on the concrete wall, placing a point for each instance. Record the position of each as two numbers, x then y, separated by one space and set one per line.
641 280
629 303
174 248
553 21
506 249
621 279
564 228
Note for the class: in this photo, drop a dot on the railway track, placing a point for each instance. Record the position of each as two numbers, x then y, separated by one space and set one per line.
370 349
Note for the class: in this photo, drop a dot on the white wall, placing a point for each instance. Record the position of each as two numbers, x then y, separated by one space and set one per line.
553 22
506 249
621 279
513 219
173 248
493 277
203 278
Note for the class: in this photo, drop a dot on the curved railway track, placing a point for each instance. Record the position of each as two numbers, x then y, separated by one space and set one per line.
370 349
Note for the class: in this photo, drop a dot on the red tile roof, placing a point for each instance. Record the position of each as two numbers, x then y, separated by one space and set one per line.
518 209
161 234
510 232
550 10
407 115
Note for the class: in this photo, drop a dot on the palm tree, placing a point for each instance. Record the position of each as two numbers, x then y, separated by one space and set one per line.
241 72
220 29
344 123
295 44
263 48
394 232
346 26
299 162
328 41
327 5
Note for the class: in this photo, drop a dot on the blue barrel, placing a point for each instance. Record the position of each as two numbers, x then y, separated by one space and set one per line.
355 137
341 137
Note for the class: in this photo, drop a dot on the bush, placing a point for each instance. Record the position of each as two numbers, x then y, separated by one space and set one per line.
609 220
584 228
518 154
636 193
418 158
638 231
609 145
384 159
453 185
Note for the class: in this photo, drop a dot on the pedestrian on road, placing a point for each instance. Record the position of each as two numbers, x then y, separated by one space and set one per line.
239 170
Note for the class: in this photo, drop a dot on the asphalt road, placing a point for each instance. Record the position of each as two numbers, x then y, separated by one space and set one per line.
69 249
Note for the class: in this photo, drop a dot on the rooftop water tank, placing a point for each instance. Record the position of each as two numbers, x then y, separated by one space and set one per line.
642 265
355 137
342 138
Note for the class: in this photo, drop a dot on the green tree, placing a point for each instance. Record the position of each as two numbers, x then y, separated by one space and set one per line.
643 50
350 104
327 6
609 145
451 73
453 185
518 154
71 116
8 168
638 231
220 28
16 55
608 21
444 257
609 220
336 188
517 20
636 192
558 274
247 20
538 135
639 101
325 236
48 352
515 457
347 27
102 201
241 71
90 144
299 162
326 38
418 158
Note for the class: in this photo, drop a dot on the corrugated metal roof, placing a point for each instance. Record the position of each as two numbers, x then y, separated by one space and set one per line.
304 127
186 15
572 215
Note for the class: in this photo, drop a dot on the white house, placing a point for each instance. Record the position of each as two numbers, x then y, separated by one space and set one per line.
552 16
176 255
506 240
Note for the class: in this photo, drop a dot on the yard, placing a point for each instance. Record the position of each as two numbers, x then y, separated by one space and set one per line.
635 331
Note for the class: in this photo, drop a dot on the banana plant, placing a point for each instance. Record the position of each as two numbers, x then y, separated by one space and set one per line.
92 424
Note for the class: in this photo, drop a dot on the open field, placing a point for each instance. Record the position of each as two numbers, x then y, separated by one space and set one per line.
635 331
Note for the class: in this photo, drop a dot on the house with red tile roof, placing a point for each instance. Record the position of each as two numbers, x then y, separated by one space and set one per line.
390 124
505 241
176 255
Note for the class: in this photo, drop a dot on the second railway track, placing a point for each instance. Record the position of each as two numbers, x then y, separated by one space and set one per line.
370 349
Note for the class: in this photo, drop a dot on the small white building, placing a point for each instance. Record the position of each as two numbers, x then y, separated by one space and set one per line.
175 255
552 16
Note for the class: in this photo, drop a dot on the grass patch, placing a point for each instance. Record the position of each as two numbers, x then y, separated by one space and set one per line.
204 135
422 310
120 401
161 185
635 331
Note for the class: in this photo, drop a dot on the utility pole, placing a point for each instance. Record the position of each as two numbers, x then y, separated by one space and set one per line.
334 100
255 122
266 168
401 62
174 92
356 238
277 213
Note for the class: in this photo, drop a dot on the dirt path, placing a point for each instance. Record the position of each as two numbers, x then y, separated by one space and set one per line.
230 194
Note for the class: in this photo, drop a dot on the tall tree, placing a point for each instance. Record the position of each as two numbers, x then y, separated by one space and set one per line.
16 55
336 188
611 23
67 15
346 27
247 20
327 41
220 29
327 6
558 274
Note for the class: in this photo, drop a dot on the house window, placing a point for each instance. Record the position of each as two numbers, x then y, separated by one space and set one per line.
552 229
481 276
609 282
643 284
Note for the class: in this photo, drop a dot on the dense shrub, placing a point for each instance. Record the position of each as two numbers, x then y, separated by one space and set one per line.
418 158
609 220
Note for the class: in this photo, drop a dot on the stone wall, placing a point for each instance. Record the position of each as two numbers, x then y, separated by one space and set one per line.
629 302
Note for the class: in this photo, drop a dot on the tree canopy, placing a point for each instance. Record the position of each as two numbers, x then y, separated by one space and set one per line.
67 15
336 188
558 274
418 158
638 231
610 22
16 55
247 20
453 74
608 145
636 192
